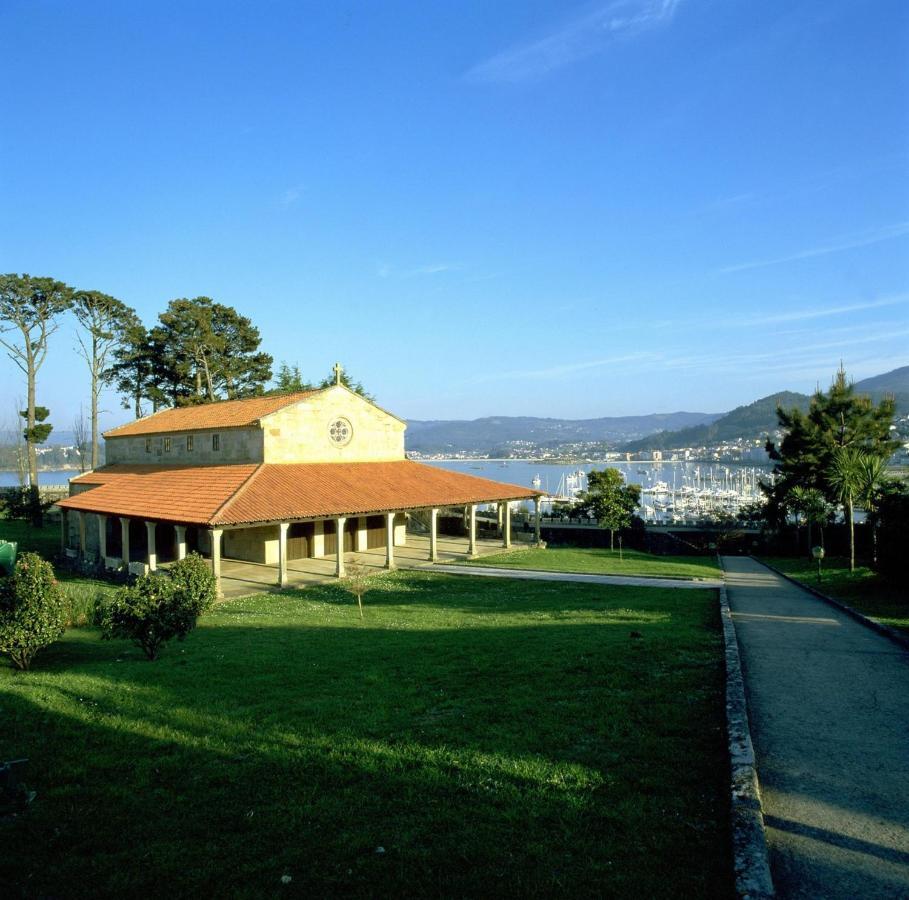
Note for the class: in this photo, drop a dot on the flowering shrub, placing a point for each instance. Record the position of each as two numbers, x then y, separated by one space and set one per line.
32 610
160 607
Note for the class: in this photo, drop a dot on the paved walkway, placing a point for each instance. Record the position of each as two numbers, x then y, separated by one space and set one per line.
539 575
829 710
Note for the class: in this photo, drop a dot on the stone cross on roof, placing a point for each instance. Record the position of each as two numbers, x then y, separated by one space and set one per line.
337 369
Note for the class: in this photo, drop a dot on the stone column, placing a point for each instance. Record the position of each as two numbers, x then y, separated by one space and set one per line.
82 541
389 540
318 538
506 525
433 535
64 530
102 538
214 535
152 548
472 530
124 540
180 534
339 563
362 540
282 553
537 519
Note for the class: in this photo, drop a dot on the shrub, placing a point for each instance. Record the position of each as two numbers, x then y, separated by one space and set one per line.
158 607
32 610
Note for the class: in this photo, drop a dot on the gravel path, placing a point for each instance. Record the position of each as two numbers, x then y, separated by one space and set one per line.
829 709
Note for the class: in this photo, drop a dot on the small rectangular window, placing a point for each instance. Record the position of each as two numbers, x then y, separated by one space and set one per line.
167 445
216 442
189 443
148 445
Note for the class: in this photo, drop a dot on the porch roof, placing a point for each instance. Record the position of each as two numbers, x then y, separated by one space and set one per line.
250 494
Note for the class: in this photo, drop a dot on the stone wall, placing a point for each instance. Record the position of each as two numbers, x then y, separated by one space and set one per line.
302 432
236 445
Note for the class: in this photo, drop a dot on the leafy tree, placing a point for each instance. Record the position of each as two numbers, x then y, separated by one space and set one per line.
33 307
210 348
845 478
159 607
32 610
810 504
348 382
104 319
609 500
873 483
289 380
836 419
132 371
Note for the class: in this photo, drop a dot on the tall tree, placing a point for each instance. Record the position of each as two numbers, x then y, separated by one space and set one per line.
609 500
218 347
32 307
873 484
132 369
104 320
836 419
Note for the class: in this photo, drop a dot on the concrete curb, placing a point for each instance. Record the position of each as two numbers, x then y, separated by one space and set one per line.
896 636
750 858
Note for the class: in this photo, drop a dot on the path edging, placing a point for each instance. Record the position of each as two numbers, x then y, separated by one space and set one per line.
750 859
896 636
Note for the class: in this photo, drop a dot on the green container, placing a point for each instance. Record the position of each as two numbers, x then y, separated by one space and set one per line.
7 556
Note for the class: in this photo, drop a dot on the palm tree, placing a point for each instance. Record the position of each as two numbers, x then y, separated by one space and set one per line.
873 479
845 477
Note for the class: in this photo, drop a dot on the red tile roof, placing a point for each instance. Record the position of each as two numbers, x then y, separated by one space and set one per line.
241 495
223 414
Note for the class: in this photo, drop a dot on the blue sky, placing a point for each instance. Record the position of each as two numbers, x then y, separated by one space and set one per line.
529 208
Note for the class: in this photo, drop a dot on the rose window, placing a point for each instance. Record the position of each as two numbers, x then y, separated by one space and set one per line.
340 431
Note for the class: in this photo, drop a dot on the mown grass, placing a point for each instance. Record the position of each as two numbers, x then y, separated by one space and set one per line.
45 541
864 590
595 561
493 738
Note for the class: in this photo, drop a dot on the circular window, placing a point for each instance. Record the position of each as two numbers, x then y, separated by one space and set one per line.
340 431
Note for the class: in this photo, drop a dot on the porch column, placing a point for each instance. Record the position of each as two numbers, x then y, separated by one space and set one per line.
180 533
282 553
152 549
339 549
214 535
537 519
102 538
506 525
82 543
64 530
433 535
124 539
389 540
472 530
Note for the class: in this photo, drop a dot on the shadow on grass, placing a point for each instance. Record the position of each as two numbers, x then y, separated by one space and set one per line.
519 758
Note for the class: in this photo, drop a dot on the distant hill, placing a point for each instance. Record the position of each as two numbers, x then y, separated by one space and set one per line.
895 383
483 435
752 421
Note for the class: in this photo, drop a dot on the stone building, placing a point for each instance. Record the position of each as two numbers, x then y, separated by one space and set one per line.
266 480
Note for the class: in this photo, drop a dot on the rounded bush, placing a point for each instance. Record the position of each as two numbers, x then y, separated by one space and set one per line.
32 610
159 607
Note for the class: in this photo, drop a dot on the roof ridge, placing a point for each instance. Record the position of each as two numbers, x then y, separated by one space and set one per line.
240 489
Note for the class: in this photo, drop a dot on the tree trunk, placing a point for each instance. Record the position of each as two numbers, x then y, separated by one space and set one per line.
851 536
34 493
611 539
809 539
95 442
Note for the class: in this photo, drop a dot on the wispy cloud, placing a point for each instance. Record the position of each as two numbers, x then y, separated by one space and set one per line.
822 312
580 38
291 196
887 233
566 368
385 270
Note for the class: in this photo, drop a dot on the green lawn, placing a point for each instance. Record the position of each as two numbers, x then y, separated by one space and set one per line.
595 561
863 590
493 737
45 541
